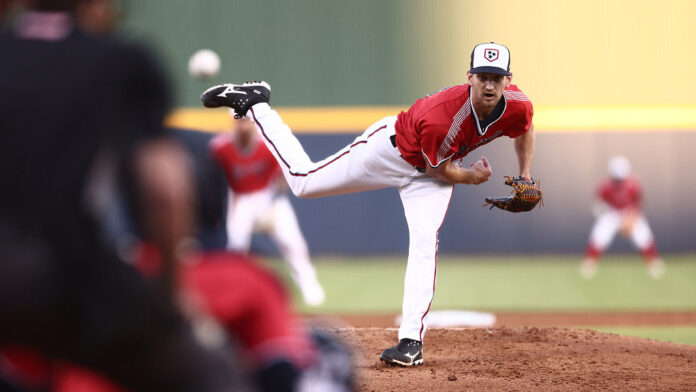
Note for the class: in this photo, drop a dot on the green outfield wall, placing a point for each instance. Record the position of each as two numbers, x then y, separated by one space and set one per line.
314 52
389 52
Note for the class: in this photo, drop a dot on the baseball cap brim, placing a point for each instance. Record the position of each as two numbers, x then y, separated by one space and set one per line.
493 70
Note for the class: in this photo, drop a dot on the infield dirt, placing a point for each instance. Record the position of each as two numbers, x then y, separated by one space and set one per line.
524 359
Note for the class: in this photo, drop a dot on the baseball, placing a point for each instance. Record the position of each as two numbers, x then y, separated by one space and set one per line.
204 64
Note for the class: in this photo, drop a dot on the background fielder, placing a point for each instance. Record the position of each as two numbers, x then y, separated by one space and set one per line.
258 202
619 209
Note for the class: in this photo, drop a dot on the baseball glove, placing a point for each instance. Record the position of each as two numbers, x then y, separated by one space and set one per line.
526 195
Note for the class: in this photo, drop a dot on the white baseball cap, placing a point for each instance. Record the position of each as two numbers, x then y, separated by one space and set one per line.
490 58
619 167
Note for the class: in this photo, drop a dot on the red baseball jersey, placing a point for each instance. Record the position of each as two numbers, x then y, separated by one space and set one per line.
444 125
621 195
246 171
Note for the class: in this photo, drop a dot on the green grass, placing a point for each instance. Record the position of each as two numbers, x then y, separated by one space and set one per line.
680 335
515 283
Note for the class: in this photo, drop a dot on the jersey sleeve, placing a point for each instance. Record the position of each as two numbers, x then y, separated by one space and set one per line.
437 140
521 110
524 112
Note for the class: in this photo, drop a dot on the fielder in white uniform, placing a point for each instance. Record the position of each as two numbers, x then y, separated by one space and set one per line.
258 202
618 210
418 152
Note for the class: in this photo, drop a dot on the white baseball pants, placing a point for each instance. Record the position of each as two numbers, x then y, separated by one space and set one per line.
244 210
371 162
265 211
608 224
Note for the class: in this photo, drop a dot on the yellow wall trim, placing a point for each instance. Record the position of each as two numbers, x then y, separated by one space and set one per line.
354 119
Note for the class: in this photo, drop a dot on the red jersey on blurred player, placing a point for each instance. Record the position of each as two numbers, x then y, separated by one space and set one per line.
619 210
247 163
623 195
259 204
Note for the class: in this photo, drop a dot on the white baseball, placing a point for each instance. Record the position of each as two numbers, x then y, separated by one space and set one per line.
204 64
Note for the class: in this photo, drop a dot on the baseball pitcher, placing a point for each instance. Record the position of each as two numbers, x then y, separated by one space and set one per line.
419 152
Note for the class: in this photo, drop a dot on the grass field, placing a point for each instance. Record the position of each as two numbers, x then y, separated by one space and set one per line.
515 283
676 334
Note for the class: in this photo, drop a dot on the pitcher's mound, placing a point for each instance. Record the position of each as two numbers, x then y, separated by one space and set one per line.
524 359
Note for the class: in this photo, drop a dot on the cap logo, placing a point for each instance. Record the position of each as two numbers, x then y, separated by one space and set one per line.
491 54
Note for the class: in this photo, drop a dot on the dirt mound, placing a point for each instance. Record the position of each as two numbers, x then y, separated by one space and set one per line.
525 359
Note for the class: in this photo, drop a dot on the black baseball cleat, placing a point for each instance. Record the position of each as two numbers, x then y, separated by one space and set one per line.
408 352
239 97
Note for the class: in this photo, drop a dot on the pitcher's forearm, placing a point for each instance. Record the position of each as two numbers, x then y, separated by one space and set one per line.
524 148
450 173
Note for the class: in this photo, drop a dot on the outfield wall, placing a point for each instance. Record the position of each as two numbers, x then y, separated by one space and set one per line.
389 52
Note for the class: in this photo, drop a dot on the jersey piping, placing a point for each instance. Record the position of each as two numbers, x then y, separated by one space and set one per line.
446 145
482 132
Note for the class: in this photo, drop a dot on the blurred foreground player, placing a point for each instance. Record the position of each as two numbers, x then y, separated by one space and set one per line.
233 301
232 296
75 110
419 152
259 203
619 209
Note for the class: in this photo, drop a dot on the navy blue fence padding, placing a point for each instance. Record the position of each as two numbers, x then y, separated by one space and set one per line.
569 166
